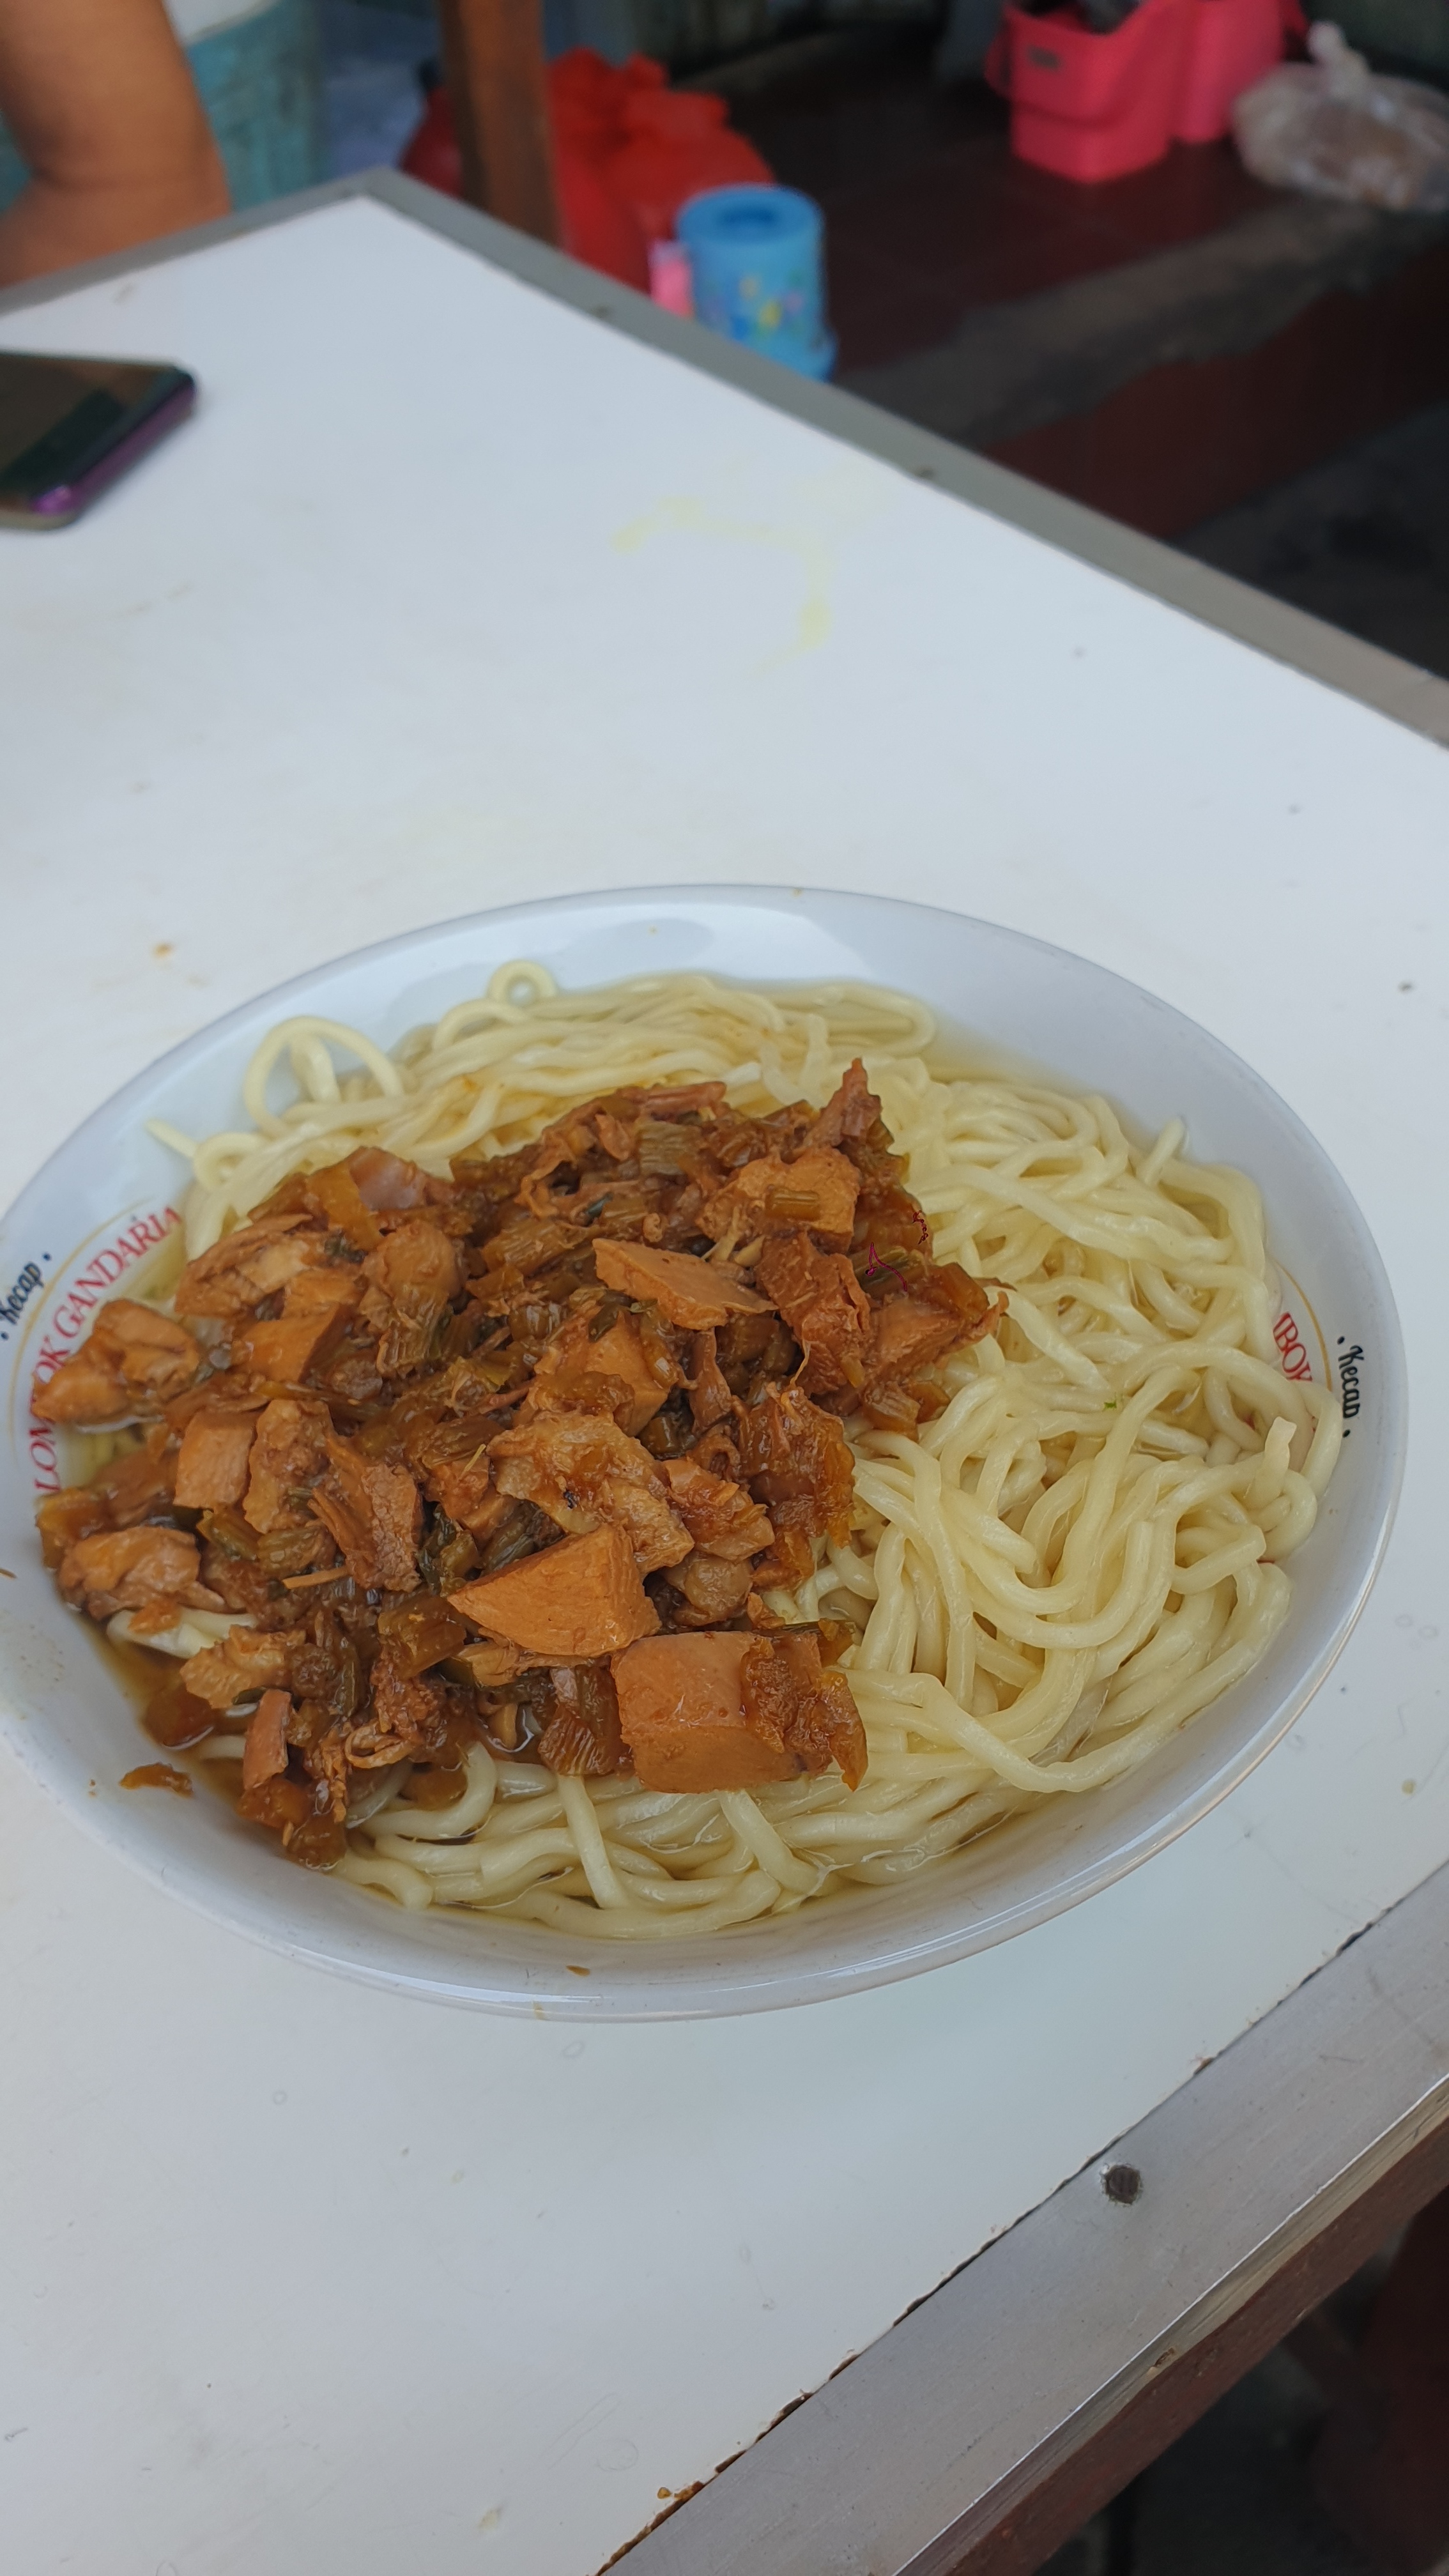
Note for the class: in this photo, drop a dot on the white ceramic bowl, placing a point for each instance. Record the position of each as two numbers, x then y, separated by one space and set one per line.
83 1220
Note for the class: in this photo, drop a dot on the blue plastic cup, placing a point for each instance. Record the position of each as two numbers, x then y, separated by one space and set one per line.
757 258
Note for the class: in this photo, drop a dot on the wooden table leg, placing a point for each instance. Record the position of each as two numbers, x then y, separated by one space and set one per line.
493 60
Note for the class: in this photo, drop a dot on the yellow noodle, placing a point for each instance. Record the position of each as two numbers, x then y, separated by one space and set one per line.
1072 1560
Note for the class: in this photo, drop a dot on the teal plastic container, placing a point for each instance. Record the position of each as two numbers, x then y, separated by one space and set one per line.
260 79
757 259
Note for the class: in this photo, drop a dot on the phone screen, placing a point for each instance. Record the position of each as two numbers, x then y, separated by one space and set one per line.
68 426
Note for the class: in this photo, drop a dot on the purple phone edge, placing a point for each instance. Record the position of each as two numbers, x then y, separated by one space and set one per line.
67 500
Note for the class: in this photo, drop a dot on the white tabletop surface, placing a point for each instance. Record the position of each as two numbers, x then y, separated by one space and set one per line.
451 595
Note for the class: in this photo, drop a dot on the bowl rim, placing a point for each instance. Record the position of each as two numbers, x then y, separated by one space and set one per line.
701 1983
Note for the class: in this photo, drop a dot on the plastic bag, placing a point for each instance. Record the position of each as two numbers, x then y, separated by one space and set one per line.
1333 128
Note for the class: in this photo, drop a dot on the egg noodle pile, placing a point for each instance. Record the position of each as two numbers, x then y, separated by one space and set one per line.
1073 1558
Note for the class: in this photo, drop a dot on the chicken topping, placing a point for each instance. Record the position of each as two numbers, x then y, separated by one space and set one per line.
287 1456
849 1115
686 1290
412 1278
718 1514
211 1469
130 1362
583 1597
133 1569
248 1266
583 1471
825 1307
731 1712
265 1753
375 1513
247 1660
818 1189
627 1370
437 1377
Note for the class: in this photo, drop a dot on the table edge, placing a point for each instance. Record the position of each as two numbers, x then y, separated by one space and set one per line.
915 2455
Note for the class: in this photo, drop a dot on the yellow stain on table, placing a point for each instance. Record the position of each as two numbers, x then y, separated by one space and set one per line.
684 516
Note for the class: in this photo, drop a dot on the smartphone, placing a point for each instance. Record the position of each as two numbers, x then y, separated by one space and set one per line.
69 426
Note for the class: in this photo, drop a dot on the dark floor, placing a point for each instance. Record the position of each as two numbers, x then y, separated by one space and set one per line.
1230 2499
1233 2496
1362 540
927 213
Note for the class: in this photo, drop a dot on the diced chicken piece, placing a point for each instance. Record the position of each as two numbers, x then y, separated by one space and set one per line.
288 1455
281 1350
88 1387
334 1195
825 1307
850 1113
582 1470
565 1357
418 1258
211 1471
132 1568
375 1513
248 1265
132 1360
386 1182
909 1334
582 1737
734 1711
719 1515
451 1458
796 1456
246 1660
412 1278
141 1484
569 1141
408 1716
799 1466
582 1597
686 1290
819 1190
490 1665
791 1700
716 1588
682 1715
264 1754
335 1287
315 1309
650 1375
710 1399
617 1140
62 1518
326 1761
640 1373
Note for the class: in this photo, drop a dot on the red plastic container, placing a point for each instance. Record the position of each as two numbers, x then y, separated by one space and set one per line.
628 150
676 144
1234 42
1089 106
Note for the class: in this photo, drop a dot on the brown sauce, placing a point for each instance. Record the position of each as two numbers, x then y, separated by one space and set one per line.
158 1775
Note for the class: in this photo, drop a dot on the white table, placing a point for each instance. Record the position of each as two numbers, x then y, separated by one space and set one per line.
453 592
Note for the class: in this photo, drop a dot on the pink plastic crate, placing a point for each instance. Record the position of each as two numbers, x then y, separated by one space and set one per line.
1234 42
1095 107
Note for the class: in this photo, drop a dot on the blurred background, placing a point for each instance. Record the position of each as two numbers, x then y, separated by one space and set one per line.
1258 374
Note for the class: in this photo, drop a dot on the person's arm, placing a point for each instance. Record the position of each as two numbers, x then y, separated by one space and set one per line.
103 111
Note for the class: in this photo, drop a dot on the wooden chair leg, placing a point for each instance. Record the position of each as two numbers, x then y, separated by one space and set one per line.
493 60
1381 2465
